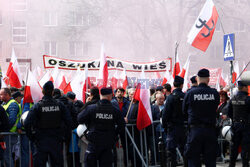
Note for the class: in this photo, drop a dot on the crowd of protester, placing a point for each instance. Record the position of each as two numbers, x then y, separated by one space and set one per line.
122 100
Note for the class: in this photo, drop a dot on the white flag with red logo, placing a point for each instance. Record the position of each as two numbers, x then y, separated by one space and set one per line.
13 72
202 31
32 91
144 117
103 70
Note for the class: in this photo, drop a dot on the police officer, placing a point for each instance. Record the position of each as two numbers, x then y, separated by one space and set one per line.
200 104
173 120
239 112
48 118
101 119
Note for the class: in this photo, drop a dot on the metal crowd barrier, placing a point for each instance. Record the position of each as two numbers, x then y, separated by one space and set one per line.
141 149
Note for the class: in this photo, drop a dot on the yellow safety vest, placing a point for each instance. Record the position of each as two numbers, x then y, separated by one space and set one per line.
6 106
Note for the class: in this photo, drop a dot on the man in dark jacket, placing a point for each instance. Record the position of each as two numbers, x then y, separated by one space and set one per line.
45 126
101 119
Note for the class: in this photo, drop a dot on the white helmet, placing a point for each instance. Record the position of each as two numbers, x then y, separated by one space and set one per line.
81 131
23 117
227 133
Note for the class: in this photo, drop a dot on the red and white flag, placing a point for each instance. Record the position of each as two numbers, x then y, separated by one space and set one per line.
144 117
38 73
167 77
202 31
60 81
177 67
236 72
124 79
45 78
103 70
222 80
13 72
114 80
86 85
55 74
185 75
185 67
32 91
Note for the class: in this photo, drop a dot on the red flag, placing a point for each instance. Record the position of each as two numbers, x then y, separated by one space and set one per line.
144 117
177 67
103 70
202 31
114 80
32 91
13 72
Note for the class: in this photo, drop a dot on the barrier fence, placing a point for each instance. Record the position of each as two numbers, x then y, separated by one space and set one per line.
135 148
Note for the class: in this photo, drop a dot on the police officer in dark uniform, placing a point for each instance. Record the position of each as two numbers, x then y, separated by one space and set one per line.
101 120
45 126
239 112
200 104
173 120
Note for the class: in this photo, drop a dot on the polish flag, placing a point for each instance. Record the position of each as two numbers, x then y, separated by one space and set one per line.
236 72
60 81
177 67
38 73
158 75
222 80
54 75
202 31
103 70
114 80
124 79
77 86
46 77
167 77
218 83
13 72
184 69
185 76
32 91
86 85
144 117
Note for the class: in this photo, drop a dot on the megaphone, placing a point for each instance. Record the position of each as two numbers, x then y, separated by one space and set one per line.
81 131
227 133
23 117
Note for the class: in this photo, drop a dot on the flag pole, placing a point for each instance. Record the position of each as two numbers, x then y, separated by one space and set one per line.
130 105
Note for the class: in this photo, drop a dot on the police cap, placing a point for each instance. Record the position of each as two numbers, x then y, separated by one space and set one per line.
48 86
71 95
241 83
203 73
159 88
193 79
178 79
106 91
17 94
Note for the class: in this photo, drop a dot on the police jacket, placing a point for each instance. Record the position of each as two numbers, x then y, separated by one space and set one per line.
239 107
48 118
124 107
200 104
101 120
172 112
